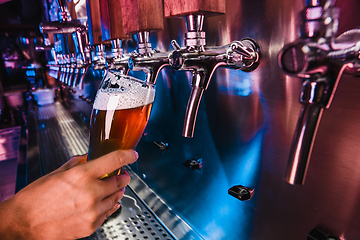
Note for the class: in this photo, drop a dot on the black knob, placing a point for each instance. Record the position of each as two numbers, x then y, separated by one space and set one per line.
242 193
176 60
317 234
194 163
292 59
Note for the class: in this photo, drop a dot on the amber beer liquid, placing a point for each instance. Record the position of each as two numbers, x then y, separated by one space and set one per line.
120 113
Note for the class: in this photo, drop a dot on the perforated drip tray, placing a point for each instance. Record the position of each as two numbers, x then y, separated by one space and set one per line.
132 221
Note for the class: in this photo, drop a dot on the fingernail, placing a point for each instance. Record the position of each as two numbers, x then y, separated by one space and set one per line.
136 154
117 205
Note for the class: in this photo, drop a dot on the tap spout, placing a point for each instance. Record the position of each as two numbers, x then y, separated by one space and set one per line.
83 73
77 74
305 132
317 94
198 82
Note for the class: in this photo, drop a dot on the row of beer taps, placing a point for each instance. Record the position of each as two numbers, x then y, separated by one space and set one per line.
317 57
194 56
72 66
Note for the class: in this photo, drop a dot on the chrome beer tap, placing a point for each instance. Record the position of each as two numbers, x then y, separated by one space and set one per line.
63 70
118 60
71 69
99 57
148 60
83 58
319 59
203 61
67 68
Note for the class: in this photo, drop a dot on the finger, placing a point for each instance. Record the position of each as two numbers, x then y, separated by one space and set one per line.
111 185
103 217
107 203
110 162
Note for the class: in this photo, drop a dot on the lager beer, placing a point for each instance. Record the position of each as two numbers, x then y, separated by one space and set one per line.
120 113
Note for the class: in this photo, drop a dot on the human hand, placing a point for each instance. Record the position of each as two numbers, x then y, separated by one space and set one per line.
68 203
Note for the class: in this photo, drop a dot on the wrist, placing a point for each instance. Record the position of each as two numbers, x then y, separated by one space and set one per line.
12 223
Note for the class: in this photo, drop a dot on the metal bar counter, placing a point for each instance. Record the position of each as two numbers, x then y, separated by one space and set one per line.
55 135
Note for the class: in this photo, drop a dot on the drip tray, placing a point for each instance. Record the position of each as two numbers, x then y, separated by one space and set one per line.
58 135
132 221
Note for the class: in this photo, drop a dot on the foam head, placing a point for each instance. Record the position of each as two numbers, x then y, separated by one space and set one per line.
119 91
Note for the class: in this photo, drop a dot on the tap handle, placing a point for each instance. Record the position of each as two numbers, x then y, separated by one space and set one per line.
111 20
142 15
94 22
186 7
175 45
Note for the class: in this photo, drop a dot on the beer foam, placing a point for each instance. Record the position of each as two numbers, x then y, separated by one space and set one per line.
118 92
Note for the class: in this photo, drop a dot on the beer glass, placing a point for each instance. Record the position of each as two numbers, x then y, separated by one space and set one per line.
119 116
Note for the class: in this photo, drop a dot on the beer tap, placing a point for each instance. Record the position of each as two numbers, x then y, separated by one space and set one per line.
119 61
319 59
83 58
71 69
141 17
150 61
64 61
99 57
59 63
203 61
67 68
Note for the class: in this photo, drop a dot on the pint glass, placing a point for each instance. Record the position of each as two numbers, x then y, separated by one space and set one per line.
119 116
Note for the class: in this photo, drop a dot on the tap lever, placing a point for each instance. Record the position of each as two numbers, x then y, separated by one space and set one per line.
175 45
249 55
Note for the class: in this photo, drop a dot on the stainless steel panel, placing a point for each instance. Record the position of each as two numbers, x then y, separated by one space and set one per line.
243 134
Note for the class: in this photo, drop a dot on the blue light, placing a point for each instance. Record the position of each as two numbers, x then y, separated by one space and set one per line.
30 73
236 82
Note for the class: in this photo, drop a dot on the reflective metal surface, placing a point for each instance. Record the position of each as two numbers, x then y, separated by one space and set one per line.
9 157
243 134
320 60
